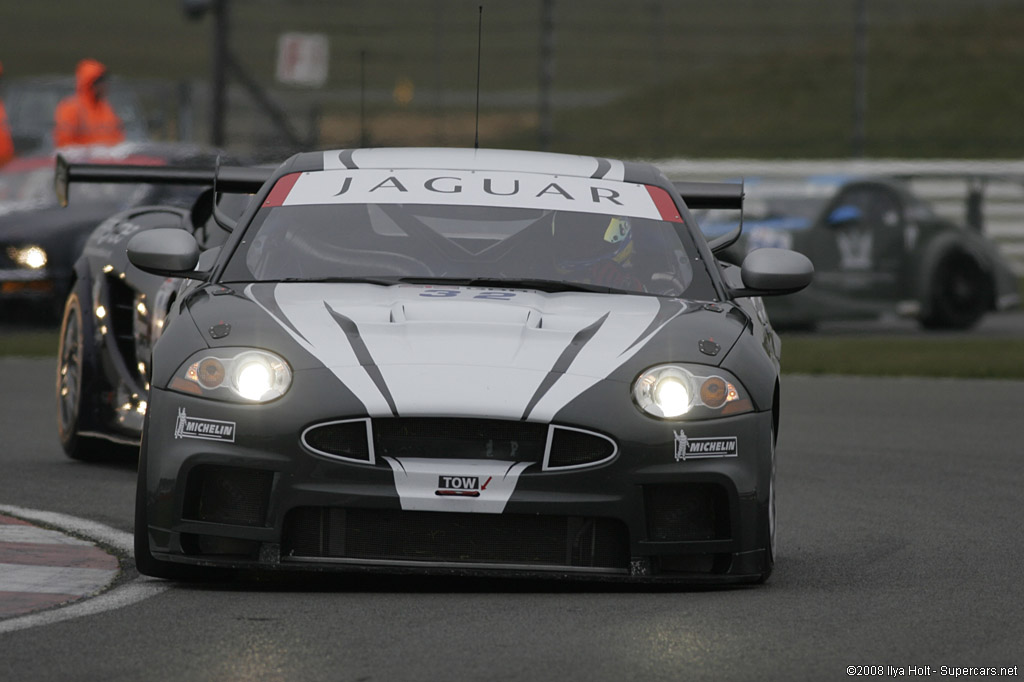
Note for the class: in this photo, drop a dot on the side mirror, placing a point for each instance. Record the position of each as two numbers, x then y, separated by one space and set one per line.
773 272
165 251
847 214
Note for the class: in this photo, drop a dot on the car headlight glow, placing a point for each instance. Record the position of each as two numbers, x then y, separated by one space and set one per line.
32 257
678 391
236 374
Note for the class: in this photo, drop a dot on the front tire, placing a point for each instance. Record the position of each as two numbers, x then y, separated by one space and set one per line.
76 381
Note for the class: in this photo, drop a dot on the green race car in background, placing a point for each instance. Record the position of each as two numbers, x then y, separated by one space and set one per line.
877 250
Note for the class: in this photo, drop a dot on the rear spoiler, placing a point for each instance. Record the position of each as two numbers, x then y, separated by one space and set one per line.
705 195
234 179
701 195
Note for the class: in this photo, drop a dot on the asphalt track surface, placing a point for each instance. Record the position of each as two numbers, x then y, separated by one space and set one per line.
900 545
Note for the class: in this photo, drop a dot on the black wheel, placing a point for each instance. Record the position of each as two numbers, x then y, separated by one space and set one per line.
75 378
959 294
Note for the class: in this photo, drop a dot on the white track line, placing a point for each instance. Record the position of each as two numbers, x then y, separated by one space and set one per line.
120 597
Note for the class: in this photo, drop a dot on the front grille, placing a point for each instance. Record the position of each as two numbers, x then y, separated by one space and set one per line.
570 448
455 438
222 494
684 512
345 439
520 539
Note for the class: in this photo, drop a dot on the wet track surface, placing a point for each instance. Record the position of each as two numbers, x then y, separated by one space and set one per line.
899 511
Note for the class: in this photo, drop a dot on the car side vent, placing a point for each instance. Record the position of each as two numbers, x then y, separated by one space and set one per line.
569 448
122 322
346 440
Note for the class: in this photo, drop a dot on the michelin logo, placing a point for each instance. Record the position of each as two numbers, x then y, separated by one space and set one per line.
696 448
203 429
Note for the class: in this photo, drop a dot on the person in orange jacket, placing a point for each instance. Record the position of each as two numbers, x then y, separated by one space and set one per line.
6 143
87 117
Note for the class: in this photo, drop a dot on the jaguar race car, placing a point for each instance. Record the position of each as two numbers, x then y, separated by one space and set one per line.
455 361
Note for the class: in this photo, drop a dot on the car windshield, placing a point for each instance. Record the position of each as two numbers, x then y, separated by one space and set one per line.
528 244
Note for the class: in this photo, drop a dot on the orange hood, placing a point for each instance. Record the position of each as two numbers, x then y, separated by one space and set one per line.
86 75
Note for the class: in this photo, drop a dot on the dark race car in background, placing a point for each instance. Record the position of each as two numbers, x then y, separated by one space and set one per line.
40 240
877 249
472 362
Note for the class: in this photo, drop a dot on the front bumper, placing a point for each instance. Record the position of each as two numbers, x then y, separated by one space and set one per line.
234 486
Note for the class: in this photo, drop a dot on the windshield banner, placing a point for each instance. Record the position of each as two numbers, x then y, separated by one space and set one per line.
469 188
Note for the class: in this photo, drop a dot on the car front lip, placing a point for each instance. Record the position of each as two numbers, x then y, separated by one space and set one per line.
261 439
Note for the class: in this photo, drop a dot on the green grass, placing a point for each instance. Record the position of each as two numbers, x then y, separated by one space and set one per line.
30 343
737 78
887 356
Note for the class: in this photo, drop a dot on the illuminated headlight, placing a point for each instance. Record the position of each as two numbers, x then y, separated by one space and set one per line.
32 257
236 374
678 391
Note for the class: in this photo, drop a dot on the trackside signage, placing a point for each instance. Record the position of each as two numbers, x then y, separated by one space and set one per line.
473 188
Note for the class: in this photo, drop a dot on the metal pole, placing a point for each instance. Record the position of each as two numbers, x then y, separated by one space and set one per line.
218 80
546 128
364 137
860 78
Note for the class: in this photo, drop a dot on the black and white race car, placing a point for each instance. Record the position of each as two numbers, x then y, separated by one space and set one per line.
476 362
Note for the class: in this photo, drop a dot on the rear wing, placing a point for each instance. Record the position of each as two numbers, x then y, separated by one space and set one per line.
234 179
706 195
701 195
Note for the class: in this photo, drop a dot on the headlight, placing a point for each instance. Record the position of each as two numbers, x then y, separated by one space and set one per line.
238 374
32 257
678 391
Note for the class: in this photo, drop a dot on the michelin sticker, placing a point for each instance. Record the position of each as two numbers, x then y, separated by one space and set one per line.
203 429
700 448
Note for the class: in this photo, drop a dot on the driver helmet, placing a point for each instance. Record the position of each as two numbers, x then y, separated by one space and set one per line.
576 246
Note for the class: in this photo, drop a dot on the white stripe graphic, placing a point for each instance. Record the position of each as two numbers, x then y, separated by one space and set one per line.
462 355
417 481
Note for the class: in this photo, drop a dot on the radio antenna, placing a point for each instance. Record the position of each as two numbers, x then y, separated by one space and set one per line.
479 36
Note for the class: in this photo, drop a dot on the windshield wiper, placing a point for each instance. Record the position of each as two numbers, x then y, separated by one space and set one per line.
383 281
546 285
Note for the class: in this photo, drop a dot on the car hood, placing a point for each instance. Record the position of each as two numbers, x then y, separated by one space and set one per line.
415 350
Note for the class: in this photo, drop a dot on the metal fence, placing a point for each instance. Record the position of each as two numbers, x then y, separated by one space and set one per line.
821 78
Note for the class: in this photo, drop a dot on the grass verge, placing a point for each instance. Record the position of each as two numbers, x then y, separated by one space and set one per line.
30 343
888 356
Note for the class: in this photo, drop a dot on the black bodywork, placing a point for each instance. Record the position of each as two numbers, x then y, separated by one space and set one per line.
62 232
878 249
311 480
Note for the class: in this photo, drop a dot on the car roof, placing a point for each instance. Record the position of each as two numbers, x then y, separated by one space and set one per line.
444 158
